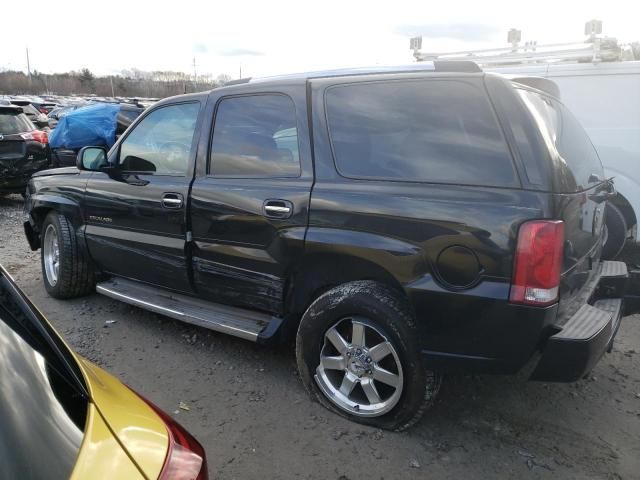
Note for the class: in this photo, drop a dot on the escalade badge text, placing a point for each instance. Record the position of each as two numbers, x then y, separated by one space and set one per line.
100 219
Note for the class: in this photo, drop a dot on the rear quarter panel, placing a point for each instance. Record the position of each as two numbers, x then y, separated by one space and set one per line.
133 425
101 456
404 227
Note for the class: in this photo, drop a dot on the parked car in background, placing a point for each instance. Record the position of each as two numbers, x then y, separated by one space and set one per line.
45 107
60 111
24 150
64 417
403 223
38 118
93 124
126 116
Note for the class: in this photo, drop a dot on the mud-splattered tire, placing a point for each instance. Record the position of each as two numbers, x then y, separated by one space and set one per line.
358 354
66 270
616 232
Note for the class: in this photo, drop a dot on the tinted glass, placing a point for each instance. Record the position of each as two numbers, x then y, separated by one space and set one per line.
11 123
161 142
42 412
567 140
420 130
30 110
255 136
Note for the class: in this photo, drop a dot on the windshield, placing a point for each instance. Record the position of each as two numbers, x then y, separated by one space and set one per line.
14 122
42 407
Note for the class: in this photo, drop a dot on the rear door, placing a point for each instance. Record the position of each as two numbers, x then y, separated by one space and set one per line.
249 201
136 215
580 192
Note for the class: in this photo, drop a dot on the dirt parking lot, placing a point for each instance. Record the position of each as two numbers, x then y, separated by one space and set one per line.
248 408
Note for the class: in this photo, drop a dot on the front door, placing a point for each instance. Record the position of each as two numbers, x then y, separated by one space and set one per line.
249 201
136 214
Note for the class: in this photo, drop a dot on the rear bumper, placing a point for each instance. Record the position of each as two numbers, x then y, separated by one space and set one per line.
15 183
576 347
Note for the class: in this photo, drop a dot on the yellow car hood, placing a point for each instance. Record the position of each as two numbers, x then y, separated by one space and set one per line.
124 437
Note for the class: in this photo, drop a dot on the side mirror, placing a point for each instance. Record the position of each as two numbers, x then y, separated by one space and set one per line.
92 158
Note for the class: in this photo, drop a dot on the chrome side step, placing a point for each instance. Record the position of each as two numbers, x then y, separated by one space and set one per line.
247 324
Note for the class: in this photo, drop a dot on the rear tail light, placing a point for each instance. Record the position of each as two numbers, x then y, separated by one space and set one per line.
538 261
185 459
36 136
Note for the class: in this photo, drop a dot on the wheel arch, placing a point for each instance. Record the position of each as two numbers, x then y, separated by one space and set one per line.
316 273
41 205
628 198
626 208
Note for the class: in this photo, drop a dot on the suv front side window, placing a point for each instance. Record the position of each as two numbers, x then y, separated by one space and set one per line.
161 143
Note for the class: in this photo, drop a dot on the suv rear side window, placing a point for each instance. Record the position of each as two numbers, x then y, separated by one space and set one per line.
441 131
12 123
255 136
562 132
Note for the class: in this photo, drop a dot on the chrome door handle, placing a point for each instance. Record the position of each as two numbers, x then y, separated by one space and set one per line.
277 208
172 200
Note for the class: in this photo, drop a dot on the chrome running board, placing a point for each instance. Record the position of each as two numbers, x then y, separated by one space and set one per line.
239 322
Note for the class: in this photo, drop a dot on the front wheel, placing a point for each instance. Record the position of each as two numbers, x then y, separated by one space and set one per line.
66 270
358 354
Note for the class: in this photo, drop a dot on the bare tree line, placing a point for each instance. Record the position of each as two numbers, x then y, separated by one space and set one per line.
130 83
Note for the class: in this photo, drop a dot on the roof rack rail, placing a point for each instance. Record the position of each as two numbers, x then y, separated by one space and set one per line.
238 81
465 66
531 53
596 48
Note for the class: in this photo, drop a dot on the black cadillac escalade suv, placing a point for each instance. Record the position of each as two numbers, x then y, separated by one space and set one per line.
403 224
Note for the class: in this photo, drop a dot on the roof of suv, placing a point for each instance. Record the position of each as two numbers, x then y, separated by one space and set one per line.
456 66
437 66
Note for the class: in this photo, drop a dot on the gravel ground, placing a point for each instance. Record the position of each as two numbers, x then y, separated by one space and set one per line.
250 411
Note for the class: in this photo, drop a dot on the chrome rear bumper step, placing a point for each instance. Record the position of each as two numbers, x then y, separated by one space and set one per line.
254 326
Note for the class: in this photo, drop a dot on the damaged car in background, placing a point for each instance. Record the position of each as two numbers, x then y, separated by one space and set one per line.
91 124
24 149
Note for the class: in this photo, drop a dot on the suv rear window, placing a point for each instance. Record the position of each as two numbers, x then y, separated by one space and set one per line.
563 132
441 131
12 123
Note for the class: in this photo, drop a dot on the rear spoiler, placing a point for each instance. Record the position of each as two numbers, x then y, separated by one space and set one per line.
543 84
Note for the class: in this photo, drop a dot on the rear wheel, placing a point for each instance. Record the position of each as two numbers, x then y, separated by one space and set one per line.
615 232
66 271
358 354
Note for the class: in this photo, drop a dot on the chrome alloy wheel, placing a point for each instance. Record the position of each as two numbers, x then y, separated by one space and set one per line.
51 253
359 370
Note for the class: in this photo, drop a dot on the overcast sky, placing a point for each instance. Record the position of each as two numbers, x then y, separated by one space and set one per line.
276 36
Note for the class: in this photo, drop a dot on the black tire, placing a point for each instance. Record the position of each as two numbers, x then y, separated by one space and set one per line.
75 273
616 234
388 313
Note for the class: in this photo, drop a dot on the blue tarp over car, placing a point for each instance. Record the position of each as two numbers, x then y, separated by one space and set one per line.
91 125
